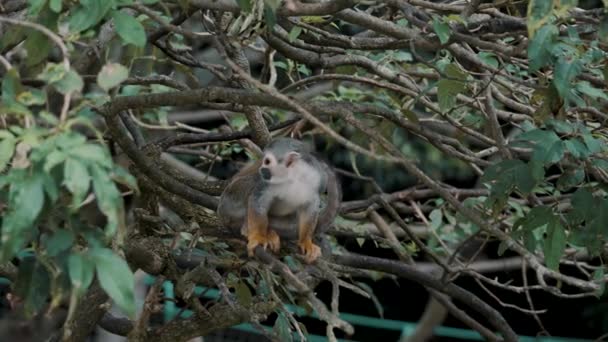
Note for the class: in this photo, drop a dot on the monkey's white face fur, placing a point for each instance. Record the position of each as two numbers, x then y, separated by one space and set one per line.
291 181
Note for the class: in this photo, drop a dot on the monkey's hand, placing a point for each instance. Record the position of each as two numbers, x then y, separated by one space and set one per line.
310 251
271 239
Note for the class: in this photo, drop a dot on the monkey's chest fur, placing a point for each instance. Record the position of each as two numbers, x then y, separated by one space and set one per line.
299 193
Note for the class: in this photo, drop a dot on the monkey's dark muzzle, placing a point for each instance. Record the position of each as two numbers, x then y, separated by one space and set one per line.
266 175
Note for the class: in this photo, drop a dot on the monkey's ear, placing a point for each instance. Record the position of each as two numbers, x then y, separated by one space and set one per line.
291 158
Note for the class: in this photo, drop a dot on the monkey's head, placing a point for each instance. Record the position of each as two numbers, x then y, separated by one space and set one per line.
281 159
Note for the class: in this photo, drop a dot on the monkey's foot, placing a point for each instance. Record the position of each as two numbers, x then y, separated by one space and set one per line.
311 251
271 239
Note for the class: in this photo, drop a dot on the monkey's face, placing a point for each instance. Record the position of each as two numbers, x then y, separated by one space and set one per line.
277 170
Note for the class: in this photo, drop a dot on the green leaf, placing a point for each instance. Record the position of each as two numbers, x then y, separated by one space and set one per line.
91 153
503 246
50 186
35 6
508 175
70 82
89 14
53 159
55 5
403 56
549 154
452 70
26 198
129 29
123 177
488 58
410 115
11 86
244 5
116 278
442 30
527 176
539 49
594 145
272 4
48 117
570 179
70 139
294 33
594 93
555 243
270 17
436 217
81 273
32 97
561 126
447 91
539 137
594 232
565 73
539 13
52 72
111 75
76 178
281 328
38 47
61 241
360 241
108 198
537 217
603 29
562 7
32 285
5 134
243 294
548 147
7 147
583 204
531 241
493 172
12 37
598 276
576 148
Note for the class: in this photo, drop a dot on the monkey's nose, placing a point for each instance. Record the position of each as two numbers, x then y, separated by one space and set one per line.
265 173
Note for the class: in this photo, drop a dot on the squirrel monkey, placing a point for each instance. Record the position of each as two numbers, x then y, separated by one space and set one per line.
280 196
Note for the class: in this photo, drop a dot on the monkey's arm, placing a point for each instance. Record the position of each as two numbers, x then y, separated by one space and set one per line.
258 233
307 223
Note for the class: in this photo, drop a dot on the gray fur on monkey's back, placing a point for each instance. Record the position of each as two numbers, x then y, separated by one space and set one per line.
232 209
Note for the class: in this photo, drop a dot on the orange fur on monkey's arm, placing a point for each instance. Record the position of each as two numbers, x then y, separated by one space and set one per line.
307 222
258 233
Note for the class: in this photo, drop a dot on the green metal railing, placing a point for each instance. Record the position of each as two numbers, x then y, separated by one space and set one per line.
406 328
